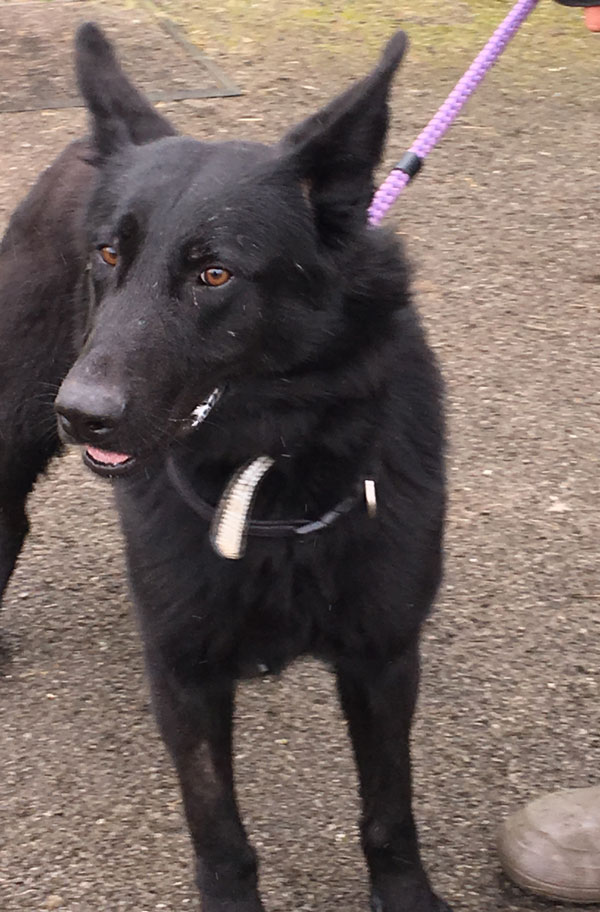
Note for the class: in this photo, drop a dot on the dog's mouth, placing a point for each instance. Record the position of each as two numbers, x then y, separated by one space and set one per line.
106 463
109 464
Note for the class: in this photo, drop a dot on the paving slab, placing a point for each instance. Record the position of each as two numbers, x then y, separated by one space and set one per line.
37 68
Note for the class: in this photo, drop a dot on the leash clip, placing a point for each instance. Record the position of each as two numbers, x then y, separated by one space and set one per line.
410 163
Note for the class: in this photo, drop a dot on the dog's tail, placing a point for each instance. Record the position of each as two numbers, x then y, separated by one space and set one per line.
120 112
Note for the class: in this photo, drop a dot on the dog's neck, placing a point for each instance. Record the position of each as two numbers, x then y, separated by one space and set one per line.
309 474
322 429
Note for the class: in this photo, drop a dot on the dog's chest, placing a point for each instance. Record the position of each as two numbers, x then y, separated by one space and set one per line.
248 616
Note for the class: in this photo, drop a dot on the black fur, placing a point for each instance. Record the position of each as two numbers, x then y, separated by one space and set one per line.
326 369
42 258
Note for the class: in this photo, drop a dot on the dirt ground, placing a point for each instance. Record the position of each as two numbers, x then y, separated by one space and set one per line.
502 229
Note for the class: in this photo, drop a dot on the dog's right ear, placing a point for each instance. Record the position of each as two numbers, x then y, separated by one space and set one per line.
120 113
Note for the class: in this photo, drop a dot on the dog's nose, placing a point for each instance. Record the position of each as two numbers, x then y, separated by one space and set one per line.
88 413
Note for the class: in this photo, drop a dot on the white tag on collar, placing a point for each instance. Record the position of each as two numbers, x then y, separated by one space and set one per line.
229 528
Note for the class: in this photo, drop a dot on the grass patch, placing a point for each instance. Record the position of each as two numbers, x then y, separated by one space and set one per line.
441 31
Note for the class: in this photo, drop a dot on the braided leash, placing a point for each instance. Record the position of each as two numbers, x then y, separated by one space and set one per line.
412 162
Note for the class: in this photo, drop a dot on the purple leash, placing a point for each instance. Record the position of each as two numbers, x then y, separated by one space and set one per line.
412 162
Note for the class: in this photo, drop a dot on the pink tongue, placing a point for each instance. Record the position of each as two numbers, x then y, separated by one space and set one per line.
106 458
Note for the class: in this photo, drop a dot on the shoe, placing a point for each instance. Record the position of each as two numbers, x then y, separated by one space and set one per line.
552 846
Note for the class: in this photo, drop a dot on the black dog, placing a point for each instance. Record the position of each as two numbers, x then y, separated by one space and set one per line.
257 383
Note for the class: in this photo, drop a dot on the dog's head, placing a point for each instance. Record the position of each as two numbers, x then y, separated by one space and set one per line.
210 263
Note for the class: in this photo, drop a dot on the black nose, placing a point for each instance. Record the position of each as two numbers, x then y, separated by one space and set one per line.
88 413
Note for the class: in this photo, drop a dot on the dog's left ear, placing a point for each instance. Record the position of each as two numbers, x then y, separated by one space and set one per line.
335 152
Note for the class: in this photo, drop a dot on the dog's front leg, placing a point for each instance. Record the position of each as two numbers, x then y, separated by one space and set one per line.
378 701
195 720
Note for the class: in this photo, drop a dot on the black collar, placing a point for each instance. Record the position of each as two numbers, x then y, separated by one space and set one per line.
262 528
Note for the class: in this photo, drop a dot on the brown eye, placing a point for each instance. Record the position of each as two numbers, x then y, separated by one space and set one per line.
109 255
215 276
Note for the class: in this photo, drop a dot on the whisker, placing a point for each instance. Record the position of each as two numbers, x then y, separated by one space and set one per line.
45 398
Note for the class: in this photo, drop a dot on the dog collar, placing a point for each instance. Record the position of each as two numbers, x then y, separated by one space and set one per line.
230 523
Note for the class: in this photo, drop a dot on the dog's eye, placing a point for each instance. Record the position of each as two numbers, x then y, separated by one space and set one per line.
215 276
109 255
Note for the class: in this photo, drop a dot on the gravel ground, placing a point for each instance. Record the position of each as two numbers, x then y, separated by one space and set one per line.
502 231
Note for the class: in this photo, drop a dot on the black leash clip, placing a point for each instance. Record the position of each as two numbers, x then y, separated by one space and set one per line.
410 163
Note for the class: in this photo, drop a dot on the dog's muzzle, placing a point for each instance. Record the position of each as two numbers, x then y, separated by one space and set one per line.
110 464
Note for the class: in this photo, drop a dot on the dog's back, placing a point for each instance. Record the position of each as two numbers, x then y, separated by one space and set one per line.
42 260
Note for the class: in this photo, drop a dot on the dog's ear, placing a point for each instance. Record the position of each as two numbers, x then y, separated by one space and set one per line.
335 152
120 113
